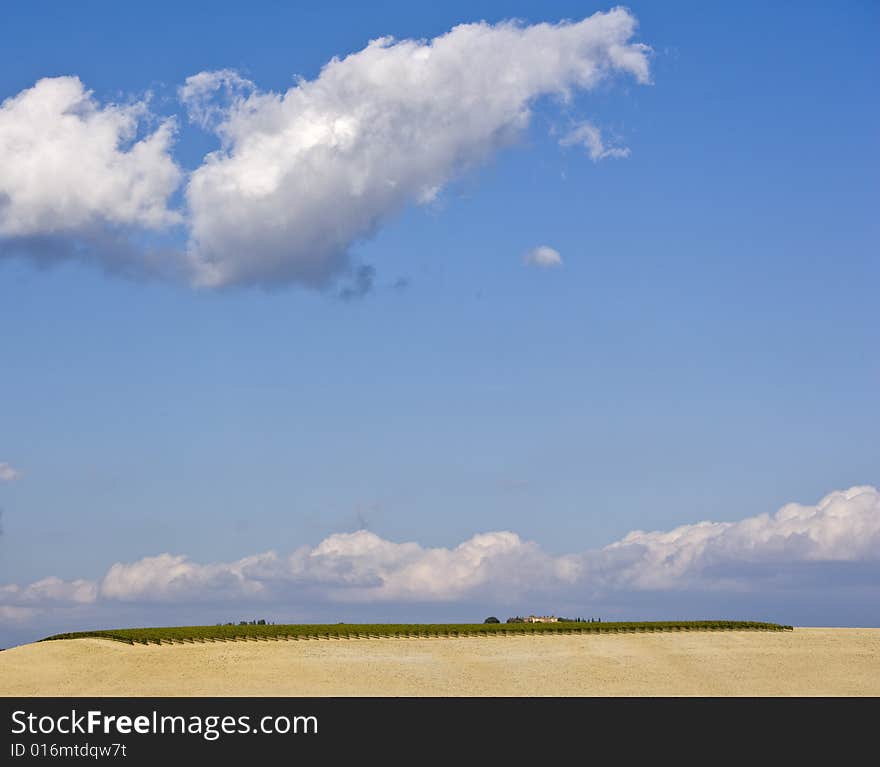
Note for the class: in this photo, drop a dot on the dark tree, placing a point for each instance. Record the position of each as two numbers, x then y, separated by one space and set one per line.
491 619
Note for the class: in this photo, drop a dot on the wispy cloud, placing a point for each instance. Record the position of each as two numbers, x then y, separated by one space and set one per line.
587 135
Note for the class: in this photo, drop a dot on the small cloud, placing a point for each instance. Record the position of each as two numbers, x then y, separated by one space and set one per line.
544 257
590 137
8 473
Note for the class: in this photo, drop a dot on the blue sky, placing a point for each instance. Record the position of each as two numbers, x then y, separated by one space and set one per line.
706 351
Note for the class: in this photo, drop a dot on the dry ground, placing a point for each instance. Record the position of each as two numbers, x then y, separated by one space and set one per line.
806 661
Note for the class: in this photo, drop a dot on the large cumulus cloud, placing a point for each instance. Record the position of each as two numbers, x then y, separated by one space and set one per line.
304 174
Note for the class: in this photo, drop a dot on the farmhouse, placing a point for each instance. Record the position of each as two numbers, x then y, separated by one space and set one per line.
542 619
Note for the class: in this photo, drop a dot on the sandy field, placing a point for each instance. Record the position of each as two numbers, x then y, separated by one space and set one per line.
806 661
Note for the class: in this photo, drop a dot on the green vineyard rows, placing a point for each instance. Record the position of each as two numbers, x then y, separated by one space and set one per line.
190 634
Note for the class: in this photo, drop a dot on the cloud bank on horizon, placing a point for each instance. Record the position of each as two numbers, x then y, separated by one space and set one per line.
300 176
782 555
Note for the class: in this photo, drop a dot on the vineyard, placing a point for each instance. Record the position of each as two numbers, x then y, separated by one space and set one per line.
274 632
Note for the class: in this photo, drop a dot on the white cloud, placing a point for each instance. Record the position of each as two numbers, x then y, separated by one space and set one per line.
170 577
544 257
71 166
8 473
843 527
361 566
50 591
590 137
304 174
501 568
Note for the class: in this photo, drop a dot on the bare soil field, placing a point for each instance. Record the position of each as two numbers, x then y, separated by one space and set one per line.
806 661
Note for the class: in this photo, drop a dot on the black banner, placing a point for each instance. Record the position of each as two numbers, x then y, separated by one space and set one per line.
143 730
